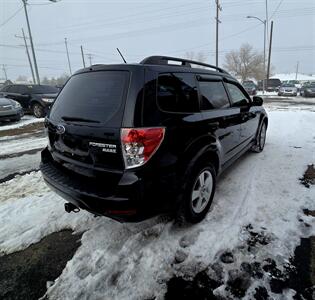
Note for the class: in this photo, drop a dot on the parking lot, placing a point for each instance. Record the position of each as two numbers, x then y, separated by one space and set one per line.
261 212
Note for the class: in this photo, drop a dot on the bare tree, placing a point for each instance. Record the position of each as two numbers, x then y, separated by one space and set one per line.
199 56
22 78
245 63
56 81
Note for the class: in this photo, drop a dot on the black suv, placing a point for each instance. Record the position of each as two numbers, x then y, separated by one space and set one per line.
34 98
129 141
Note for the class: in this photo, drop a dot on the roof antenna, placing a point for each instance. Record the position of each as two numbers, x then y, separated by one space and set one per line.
121 56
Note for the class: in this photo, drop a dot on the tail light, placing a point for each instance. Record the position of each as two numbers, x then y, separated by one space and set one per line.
139 144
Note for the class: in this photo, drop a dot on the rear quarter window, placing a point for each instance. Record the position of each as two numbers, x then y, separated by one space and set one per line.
177 92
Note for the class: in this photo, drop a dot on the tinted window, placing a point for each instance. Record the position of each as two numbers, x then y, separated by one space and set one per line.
274 82
12 89
21 89
42 89
238 98
4 89
213 95
94 96
177 92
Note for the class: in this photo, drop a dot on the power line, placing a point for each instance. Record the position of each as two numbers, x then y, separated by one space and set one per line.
276 10
11 17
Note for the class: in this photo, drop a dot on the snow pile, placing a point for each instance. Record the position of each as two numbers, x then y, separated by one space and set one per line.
258 196
26 120
292 76
29 211
20 164
22 145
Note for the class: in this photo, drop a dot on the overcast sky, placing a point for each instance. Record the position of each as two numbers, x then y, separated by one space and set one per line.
143 28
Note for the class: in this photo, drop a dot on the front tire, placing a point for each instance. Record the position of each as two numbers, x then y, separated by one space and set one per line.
38 110
197 194
260 139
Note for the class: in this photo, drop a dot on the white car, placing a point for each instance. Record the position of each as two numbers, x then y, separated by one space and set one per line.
288 89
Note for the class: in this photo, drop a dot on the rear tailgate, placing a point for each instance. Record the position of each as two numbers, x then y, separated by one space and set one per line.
85 121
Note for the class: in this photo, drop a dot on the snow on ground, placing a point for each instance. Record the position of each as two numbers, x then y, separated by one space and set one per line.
294 76
8 147
19 164
26 120
134 261
26 202
267 94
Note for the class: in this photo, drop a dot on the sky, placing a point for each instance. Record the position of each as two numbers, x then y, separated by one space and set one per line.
142 28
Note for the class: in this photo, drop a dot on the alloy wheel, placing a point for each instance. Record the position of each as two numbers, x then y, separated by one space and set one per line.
202 190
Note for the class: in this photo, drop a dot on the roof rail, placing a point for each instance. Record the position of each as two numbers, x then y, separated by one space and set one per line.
164 60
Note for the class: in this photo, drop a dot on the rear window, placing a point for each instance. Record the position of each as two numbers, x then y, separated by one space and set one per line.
274 82
94 97
42 89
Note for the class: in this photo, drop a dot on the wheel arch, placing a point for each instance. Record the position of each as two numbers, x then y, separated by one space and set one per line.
206 149
34 101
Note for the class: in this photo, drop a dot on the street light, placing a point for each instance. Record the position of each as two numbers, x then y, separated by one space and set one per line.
265 24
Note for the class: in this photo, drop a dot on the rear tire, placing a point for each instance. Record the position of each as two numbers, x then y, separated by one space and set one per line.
197 193
38 110
260 139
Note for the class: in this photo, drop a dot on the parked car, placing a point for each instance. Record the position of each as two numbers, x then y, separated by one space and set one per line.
308 90
10 110
288 89
33 98
250 87
271 85
131 140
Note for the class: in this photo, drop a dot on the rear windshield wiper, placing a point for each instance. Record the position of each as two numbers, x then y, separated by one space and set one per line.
74 119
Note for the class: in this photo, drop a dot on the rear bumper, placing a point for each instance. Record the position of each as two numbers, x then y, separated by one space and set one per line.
287 93
124 197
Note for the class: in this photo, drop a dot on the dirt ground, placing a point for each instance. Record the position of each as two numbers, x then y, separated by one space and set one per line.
24 274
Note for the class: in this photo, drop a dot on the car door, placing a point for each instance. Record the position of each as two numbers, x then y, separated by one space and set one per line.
23 96
10 92
249 114
219 117
14 93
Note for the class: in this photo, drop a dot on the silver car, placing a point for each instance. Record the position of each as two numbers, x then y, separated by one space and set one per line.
10 110
288 89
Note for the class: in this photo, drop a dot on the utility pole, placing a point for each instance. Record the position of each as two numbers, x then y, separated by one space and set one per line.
28 56
66 43
219 8
269 58
267 19
5 72
297 70
82 57
265 24
90 58
31 41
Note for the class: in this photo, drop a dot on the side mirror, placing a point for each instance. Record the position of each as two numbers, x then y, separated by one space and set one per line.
257 101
